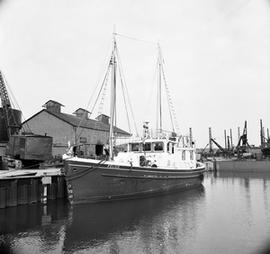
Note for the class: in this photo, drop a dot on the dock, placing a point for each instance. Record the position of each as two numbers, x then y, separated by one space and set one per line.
21 187
256 166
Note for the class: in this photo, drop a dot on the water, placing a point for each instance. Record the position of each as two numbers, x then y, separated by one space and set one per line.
228 214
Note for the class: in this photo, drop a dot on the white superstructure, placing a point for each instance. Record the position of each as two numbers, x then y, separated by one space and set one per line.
160 153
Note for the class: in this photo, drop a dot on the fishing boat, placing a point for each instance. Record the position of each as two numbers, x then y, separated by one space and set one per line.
153 164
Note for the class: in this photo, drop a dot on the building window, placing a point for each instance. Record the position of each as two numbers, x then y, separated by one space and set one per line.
83 140
158 146
99 149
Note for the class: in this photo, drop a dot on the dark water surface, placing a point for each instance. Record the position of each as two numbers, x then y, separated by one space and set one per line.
228 214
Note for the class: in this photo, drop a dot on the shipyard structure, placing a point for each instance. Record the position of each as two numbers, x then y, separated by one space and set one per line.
90 135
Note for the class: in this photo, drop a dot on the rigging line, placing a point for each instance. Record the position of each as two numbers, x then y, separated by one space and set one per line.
101 104
160 91
127 93
124 97
134 39
170 103
93 107
165 83
157 100
153 83
99 79
168 98
123 89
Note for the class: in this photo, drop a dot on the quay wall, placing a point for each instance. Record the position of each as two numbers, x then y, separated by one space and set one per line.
29 190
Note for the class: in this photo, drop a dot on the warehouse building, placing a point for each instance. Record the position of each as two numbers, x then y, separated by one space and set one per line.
91 135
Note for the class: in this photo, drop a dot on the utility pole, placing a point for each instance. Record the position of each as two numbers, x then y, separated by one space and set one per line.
191 137
231 138
228 141
225 137
210 141
261 133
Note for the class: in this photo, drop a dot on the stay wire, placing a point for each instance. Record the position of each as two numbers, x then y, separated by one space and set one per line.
134 39
127 93
93 107
124 97
170 102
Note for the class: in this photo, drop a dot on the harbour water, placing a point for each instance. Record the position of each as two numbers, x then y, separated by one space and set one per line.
227 214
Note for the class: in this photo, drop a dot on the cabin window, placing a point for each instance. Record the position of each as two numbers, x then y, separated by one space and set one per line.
158 146
135 147
170 147
184 155
191 155
147 147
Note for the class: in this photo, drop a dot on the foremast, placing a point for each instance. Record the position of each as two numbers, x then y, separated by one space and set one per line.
113 99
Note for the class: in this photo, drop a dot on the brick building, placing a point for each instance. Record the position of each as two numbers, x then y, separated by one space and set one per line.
74 128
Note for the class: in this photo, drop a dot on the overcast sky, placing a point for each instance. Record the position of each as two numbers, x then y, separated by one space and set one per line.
217 56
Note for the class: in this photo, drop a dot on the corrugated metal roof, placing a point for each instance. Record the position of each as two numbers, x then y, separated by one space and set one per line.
86 123
77 121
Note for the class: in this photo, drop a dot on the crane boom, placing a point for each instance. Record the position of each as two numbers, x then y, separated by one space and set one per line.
10 121
3 93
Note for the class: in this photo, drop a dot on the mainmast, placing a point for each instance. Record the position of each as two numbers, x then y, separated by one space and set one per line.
113 98
159 106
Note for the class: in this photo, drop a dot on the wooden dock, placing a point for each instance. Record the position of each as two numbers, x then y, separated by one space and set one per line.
21 187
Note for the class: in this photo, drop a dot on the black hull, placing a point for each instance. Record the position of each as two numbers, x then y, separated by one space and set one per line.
92 183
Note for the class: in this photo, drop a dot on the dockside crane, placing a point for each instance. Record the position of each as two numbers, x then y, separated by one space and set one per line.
265 140
22 150
242 145
12 122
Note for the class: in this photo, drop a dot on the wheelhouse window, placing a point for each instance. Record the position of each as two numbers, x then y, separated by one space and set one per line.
147 147
135 147
158 146
170 147
184 155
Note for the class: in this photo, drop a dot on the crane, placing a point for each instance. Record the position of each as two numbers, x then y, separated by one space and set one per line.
243 141
12 125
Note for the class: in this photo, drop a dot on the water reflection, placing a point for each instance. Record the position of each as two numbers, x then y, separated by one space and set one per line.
106 227
24 218
255 198
161 218
230 214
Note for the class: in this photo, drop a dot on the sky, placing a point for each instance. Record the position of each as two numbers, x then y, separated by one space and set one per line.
216 53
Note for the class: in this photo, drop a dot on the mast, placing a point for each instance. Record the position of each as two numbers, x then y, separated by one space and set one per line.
159 106
113 98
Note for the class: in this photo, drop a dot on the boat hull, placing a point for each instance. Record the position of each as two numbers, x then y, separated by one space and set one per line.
92 183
